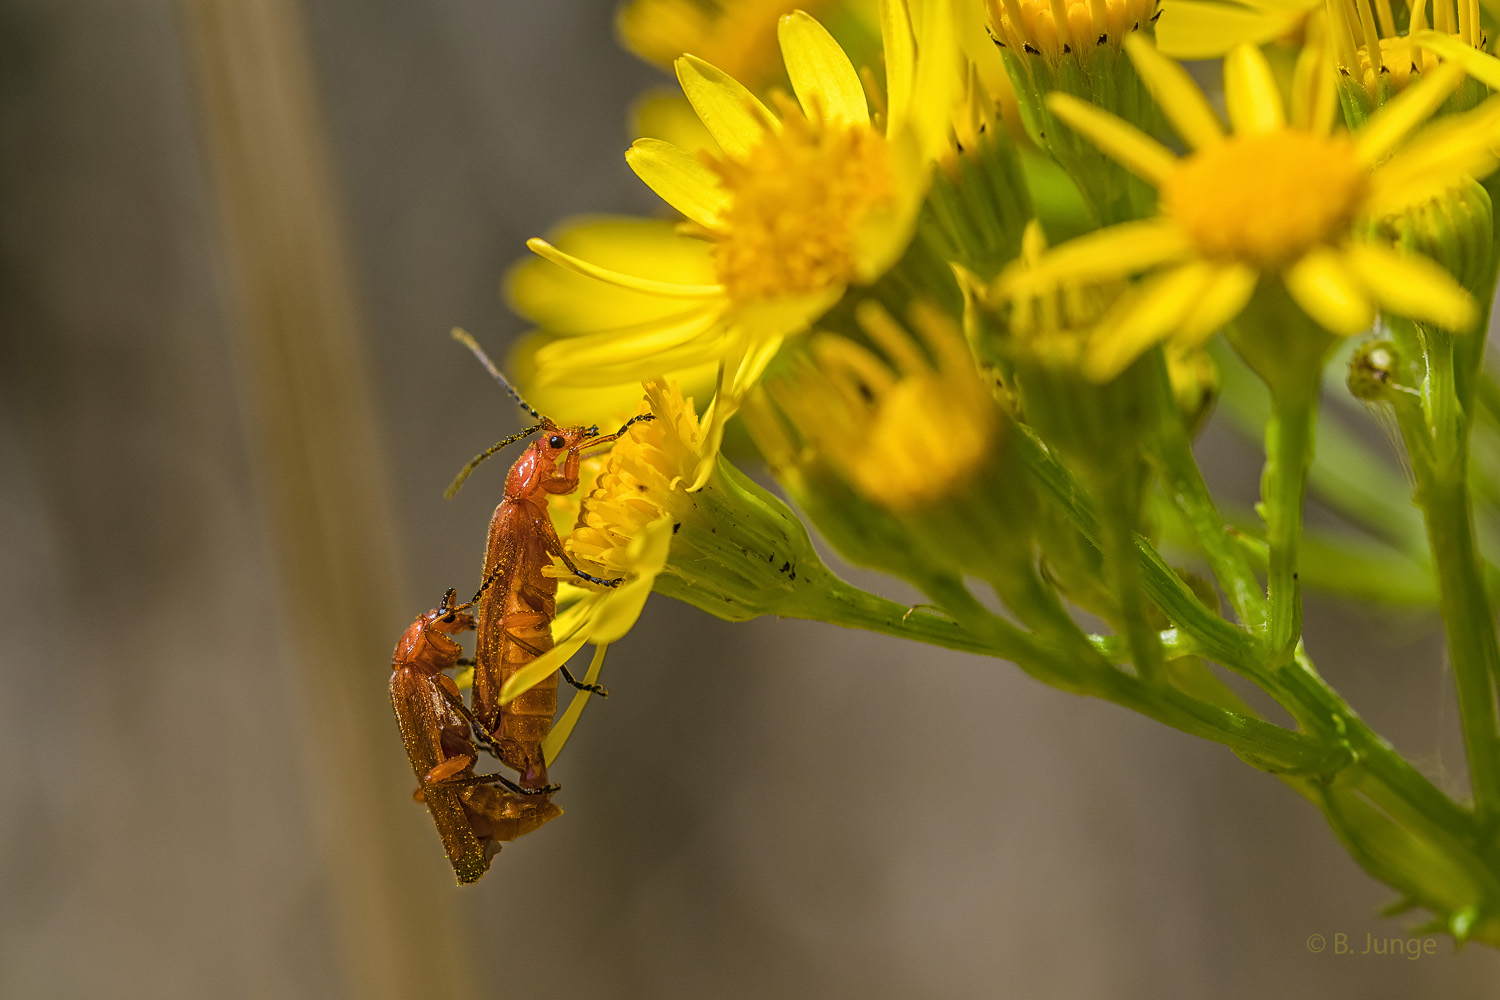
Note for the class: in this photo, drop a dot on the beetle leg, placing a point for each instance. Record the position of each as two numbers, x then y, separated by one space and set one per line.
524 644
494 779
598 689
585 576
447 769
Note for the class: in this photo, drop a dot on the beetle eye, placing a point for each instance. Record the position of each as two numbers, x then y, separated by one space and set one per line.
556 441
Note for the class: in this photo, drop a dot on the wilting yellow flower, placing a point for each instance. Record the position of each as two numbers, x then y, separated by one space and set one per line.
595 616
1206 29
792 209
625 520
1274 199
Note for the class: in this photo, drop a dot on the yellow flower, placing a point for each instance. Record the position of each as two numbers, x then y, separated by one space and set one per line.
1275 199
1206 29
792 209
1053 27
737 36
906 430
1357 32
624 528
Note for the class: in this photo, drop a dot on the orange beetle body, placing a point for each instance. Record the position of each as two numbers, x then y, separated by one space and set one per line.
515 615
472 818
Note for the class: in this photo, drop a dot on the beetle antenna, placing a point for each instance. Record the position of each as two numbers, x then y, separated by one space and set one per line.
637 419
463 338
463 473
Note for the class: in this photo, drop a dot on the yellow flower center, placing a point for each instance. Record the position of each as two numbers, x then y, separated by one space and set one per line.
927 438
644 477
796 206
1051 27
1266 199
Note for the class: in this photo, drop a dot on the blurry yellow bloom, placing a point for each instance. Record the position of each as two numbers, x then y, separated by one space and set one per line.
737 36
1206 29
906 430
1275 198
794 207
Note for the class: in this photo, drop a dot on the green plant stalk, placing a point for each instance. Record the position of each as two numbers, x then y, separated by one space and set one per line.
1382 776
1437 439
1189 493
1263 744
1289 452
1119 556
1470 623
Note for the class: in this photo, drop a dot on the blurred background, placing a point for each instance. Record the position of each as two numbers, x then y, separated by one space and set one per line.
234 235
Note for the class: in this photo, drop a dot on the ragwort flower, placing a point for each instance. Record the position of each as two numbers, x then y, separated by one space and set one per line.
793 208
1274 200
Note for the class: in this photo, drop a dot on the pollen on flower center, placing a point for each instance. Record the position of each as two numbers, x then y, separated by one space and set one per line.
796 205
644 477
1268 198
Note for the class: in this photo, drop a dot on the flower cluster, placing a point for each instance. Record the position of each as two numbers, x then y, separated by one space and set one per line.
963 298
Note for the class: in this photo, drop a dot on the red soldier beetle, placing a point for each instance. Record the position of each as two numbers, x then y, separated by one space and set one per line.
472 818
515 616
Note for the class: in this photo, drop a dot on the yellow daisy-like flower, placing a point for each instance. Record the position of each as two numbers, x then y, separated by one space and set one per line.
1206 29
1054 27
624 527
1276 199
792 209
1369 48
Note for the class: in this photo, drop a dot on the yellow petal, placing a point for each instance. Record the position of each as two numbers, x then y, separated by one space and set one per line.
1480 65
1412 286
733 116
541 668
900 62
666 114
822 76
1315 98
565 301
667 289
1250 92
1145 319
681 179
938 79
630 354
1329 292
561 730
606 404
1174 90
1219 302
1192 30
618 609
1403 113
1136 150
1106 253
1436 158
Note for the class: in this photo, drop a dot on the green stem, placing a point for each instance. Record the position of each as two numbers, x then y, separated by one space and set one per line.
1470 624
850 607
1218 639
1263 744
1226 558
1437 441
1120 520
1289 452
